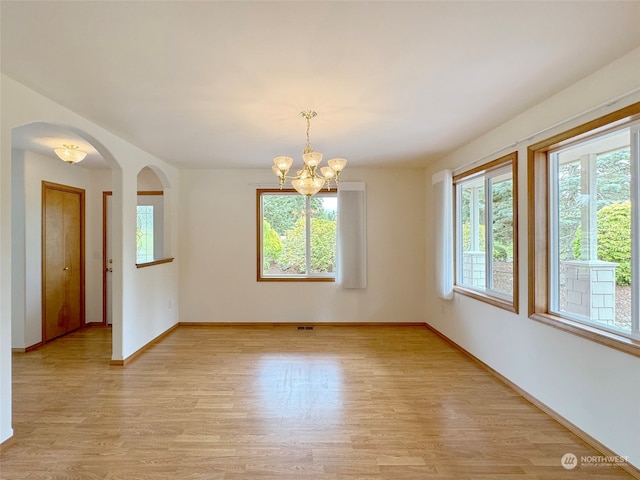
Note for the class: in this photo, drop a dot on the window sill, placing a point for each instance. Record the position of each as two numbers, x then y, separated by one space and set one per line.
603 337
296 279
509 305
155 262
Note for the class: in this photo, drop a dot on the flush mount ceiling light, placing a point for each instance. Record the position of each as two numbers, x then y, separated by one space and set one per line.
70 153
307 181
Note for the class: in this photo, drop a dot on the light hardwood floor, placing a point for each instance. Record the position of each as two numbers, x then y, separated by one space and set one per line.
276 403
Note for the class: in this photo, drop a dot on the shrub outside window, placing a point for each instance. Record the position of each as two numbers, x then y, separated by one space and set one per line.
486 246
296 236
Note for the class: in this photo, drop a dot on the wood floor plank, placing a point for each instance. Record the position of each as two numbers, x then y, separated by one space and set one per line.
277 403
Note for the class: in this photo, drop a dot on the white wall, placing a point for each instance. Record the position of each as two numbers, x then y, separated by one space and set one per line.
148 181
218 253
595 387
134 289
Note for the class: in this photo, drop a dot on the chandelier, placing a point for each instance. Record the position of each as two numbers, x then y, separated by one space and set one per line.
307 181
70 153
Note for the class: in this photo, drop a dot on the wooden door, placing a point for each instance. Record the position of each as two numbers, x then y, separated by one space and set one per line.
107 258
62 259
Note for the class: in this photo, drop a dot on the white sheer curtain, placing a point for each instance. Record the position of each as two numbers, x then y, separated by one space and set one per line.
442 202
352 235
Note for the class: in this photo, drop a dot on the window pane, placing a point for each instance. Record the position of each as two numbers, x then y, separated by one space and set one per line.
593 239
144 234
473 233
502 233
298 237
283 234
486 263
323 234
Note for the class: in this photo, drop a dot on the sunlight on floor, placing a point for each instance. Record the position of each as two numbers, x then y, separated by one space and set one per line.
300 386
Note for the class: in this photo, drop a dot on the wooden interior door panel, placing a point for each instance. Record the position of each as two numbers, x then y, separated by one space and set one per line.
62 259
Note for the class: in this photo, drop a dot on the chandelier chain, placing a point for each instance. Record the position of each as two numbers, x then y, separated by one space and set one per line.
308 114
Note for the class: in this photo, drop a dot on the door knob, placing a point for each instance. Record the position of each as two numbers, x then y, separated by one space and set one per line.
66 268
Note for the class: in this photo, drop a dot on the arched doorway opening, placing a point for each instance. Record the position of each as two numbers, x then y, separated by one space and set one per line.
34 165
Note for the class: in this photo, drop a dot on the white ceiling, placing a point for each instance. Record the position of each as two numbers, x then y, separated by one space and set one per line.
220 84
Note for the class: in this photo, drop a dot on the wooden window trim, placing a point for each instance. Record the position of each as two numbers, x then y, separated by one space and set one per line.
155 262
511 306
295 279
259 276
151 192
498 163
486 296
538 223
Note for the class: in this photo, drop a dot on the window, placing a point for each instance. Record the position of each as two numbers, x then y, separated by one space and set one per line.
144 234
296 236
150 245
584 230
486 245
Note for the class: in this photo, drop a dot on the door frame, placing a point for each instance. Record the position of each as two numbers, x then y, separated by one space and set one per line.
81 192
105 260
105 240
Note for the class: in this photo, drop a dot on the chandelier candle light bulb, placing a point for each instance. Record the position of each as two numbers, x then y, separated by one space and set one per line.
307 181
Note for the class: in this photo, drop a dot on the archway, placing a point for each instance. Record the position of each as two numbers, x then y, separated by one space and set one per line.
33 161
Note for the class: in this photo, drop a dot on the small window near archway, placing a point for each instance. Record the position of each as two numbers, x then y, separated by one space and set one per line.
150 234
145 234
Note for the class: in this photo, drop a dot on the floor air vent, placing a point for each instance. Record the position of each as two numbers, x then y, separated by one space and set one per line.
303 327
